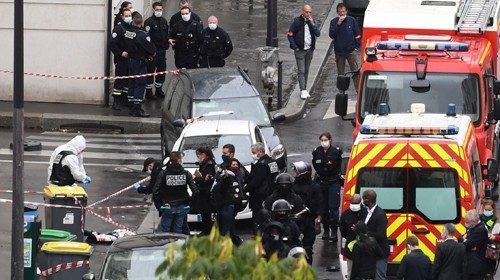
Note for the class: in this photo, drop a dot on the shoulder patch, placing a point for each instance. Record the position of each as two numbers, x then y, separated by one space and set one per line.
147 28
149 40
114 35
273 167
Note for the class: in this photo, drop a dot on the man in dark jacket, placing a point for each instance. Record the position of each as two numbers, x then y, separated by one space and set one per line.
348 220
261 180
345 32
170 191
449 262
177 16
476 241
153 167
157 27
185 38
415 265
376 221
216 45
302 37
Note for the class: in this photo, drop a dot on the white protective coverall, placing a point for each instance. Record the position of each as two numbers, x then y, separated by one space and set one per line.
74 162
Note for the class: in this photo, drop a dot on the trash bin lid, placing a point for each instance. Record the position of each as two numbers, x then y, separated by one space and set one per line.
67 247
47 234
53 191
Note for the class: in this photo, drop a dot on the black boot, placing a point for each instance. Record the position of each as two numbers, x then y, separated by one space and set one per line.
149 94
333 235
137 111
159 92
116 99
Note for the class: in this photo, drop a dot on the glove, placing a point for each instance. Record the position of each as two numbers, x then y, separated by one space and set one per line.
87 180
137 186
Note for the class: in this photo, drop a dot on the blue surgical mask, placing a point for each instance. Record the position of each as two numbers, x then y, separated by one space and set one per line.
127 20
488 213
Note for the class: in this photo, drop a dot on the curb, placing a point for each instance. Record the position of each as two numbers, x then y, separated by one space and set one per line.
296 107
51 121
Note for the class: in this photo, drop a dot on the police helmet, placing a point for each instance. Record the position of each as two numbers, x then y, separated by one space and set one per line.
284 179
301 167
296 252
274 225
281 205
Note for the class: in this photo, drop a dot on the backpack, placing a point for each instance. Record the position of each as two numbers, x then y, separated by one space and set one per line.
236 195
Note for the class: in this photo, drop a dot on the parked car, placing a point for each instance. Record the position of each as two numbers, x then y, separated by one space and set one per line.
215 134
137 257
195 92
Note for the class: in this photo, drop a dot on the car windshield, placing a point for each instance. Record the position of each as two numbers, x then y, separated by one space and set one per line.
241 143
394 89
136 264
429 192
248 108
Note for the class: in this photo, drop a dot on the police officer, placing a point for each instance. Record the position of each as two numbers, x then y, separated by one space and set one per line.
261 180
216 45
178 18
313 200
119 49
140 51
272 240
327 161
66 163
125 5
281 212
170 192
157 27
283 190
185 38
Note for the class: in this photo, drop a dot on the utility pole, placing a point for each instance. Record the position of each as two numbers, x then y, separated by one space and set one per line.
272 23
17 238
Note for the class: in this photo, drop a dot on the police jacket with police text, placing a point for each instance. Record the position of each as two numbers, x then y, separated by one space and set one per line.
158 30
262 175
216 43
117 43
327 163
138 43
311 195
187 36
296 33
172 185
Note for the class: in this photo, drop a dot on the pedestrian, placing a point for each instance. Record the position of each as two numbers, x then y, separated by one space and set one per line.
125 5
311 195
282 212
140 51
449 262
171 193
327 160
476 241
415 265
228 197
216 45
118 47
185 38
345 32
365 253
302 37
490 219
158 29
204 177
177 17
66 164
376 222
348 219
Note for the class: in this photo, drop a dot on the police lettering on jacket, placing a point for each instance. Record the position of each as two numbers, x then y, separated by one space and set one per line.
175 180
138 43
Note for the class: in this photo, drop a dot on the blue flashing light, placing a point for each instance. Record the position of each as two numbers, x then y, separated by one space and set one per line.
423 45
452 110
383 109
452 130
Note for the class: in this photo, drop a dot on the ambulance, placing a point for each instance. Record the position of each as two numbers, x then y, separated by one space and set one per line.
425 169
431 52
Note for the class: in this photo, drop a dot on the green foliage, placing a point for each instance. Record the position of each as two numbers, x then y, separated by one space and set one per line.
215 257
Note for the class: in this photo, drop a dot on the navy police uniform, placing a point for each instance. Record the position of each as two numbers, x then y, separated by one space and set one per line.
216 46
117 46
157 27
187 36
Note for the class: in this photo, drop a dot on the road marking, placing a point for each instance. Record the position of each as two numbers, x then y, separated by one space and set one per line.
136 167
294 155
101 155
93 135
95 139
330 113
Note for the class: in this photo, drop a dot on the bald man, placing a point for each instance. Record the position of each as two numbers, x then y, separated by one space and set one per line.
216 45
302 37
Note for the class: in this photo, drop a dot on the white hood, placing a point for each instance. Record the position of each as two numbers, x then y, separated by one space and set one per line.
76 146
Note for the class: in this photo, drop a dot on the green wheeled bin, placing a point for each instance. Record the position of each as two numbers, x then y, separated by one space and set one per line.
49 235
31 235
64 260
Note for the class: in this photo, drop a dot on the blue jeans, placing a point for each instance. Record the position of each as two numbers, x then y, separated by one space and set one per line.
172 219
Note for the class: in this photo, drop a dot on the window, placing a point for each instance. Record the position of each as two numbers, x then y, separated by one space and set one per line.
176 98
258 138
388 183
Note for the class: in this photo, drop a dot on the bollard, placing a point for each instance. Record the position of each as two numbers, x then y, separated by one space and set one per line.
280 84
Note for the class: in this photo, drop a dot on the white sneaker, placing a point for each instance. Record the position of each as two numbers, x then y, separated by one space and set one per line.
308 95
304 94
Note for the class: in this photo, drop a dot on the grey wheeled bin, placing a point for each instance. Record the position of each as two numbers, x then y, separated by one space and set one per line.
64 260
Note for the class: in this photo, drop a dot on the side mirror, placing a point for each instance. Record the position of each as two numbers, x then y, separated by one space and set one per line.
496 87
279 117
179 123
341 104
496 109
343 82
492 169
88 276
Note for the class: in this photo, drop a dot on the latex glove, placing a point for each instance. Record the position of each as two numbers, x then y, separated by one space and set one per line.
137 186
87 180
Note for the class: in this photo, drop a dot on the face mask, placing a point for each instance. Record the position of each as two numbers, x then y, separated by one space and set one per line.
467 225
158 13
149 171
255 157
355 207
186 17
127 20
325 144
488 213
212 26
225 158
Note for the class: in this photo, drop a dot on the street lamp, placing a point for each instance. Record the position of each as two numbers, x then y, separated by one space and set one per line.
272 23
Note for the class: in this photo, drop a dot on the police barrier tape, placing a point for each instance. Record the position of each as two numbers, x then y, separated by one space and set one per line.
111 221
64 266
175 72
26 192
118 192
2 200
